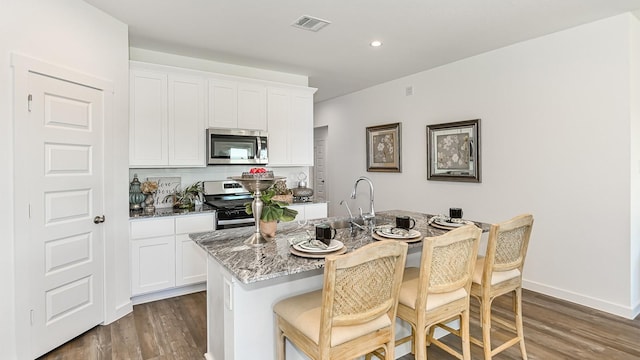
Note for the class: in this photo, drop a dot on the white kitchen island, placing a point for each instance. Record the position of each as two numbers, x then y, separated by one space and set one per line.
244 282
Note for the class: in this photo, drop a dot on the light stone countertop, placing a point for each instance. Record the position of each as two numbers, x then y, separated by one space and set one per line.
251 264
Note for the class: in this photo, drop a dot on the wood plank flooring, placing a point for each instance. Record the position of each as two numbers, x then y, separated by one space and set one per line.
175 329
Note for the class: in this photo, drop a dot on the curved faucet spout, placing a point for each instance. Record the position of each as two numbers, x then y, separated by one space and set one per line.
355 187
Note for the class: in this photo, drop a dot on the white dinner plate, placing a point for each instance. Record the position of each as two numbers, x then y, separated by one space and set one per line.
452 224
388 232
333 246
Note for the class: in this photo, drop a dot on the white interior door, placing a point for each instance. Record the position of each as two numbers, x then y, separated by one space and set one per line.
66 182
320 166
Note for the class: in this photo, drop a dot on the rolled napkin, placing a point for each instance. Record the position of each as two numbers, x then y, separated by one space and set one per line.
299 238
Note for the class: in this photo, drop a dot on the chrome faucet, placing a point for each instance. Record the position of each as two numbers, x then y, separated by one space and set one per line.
342 202
353 194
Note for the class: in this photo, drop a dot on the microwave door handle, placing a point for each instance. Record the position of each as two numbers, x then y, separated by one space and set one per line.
259 148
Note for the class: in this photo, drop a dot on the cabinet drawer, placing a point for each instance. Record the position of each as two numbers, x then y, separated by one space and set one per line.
140 229
194 224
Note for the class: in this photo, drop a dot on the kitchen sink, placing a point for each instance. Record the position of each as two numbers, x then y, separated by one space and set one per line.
346 223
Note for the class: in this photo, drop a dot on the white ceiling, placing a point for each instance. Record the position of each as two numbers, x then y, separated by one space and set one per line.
417 34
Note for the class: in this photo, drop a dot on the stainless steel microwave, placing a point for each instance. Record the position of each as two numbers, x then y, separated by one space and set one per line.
236 146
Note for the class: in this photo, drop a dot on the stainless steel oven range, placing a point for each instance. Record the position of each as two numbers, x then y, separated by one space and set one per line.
228 198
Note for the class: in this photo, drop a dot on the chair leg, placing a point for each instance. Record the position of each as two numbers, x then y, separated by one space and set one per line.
519 326
485 311
464 335
280 344
421 346
390 351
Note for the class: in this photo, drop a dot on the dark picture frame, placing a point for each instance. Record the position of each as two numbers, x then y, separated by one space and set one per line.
383 148
453 151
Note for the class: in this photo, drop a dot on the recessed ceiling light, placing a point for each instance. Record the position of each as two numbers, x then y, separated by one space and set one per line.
376 43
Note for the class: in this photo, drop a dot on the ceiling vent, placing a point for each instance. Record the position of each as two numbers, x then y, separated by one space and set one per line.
310 23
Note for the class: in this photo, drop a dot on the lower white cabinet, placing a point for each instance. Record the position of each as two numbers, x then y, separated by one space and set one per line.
163 256
310 211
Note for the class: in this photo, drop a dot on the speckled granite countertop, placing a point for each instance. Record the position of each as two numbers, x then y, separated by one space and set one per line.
250 264
160 212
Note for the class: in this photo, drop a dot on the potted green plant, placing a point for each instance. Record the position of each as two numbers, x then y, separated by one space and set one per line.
186 198
272 211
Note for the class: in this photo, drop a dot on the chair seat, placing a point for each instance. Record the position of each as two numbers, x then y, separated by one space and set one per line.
497 276
409 292
303 312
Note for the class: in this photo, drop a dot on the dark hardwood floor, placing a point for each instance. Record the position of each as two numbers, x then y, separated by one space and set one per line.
175 329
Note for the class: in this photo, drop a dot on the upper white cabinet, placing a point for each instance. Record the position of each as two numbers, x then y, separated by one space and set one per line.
186 121
237 105
290 126
167 119
148 141
170 109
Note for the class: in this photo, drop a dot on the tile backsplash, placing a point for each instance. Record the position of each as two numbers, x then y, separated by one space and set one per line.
189 176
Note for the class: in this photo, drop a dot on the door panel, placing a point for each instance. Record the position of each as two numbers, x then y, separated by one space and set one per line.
66 264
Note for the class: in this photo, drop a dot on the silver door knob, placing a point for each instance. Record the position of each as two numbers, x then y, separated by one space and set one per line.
98 219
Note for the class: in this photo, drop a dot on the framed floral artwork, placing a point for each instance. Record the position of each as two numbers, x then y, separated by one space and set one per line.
383 148
453 151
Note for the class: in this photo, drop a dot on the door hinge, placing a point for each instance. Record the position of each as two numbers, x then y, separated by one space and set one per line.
29 100
29 211
31 316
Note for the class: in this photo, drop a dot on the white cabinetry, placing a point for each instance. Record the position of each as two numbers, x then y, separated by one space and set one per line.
148 118
167 118
310 211
162 255
290 126
235 104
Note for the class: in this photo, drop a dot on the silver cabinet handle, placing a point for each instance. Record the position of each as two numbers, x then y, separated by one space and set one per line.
98 219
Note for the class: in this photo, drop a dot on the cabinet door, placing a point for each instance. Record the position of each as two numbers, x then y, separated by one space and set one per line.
186 121
152 264
301 216
191 259
315 211
301 129
252 106
278 108
223 104
148 119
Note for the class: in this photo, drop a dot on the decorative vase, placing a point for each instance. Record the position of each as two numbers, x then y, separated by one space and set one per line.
136 197
148 204
268 228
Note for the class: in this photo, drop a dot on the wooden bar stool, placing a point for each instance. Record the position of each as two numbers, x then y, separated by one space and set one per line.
498 273
354 313
438 291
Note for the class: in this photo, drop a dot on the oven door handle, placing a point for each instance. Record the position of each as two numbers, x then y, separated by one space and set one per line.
236 221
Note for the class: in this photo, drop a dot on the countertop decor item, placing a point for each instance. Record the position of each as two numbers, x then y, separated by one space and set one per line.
383 148
149 188
453 151
186 198
136 197
282 192
263 207
302 193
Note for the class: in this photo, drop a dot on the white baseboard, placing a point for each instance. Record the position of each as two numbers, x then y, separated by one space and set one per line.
208 356
169 293
581 299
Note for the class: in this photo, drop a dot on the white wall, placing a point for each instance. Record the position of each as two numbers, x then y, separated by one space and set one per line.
72 34
554 142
